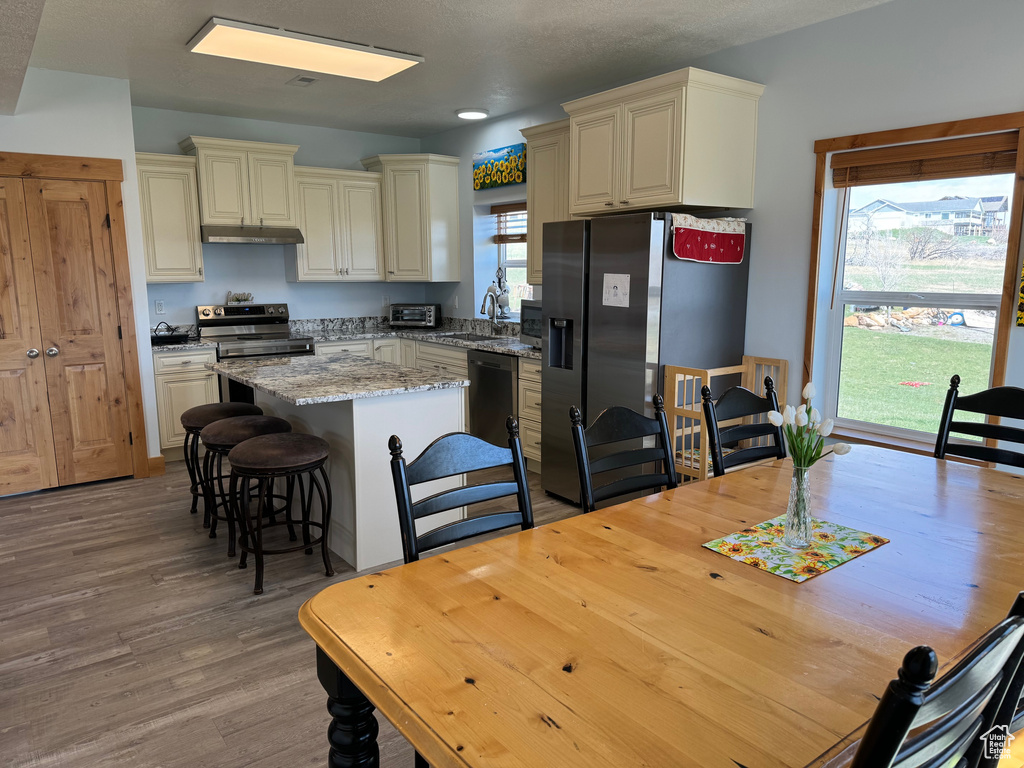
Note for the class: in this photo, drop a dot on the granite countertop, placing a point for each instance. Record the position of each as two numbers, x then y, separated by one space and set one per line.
506 345
190 344
309 380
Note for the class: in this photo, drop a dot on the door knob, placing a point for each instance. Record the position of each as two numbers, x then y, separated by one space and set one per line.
52 352
33 353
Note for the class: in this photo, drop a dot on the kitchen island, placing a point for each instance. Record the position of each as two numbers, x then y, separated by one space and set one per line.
356 404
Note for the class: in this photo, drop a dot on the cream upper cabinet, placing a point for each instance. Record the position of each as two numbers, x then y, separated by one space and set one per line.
686 138
170 218
339 214
547 187
244 182
595 159
421 216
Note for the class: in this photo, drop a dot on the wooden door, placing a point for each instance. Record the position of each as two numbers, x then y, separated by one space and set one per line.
26 441
594 161
170 218
362 230
406 212
319 257
69 232
652 150
271 181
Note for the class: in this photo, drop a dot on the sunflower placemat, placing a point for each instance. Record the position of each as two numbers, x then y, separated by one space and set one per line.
761 546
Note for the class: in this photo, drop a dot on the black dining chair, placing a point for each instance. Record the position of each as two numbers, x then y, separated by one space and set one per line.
455 454
740 403
1007 402
921 722
619 424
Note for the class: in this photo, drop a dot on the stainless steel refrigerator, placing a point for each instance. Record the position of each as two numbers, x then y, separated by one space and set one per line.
617 307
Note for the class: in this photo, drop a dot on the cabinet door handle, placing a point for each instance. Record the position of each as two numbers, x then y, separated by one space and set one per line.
186 362
536 405
52 352
33 353
623 202
609 203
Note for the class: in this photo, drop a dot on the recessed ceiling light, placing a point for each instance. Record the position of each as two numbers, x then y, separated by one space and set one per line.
282 48
472 114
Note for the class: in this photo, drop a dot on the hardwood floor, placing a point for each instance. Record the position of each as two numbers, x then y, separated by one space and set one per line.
129 638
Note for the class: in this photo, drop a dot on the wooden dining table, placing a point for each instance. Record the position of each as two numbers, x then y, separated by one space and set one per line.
616 639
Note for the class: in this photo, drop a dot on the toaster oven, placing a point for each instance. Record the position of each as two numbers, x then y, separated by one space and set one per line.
415 315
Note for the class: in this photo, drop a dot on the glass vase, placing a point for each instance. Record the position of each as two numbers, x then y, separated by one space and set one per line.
797 533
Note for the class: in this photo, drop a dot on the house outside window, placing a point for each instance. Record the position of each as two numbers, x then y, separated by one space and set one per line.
510 236
916 300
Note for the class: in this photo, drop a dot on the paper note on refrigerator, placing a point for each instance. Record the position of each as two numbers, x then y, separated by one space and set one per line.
615 291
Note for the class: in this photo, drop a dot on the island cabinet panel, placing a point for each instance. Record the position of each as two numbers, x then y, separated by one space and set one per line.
169 199
685 138
530 410
547 188
420 216
244 182
182 382
339 214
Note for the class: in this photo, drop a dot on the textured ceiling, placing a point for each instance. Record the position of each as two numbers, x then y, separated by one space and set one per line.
500 55
18 22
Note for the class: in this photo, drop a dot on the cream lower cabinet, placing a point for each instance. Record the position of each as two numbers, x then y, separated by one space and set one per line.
169 199
339 214
421 216
452 361
387 351
182 382
530 411
408 350
547 187
685 138
363 347
244 182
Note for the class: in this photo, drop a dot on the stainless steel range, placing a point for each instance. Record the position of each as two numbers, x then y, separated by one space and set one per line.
249 330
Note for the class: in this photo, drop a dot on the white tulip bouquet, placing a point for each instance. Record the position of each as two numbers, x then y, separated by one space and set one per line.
806 431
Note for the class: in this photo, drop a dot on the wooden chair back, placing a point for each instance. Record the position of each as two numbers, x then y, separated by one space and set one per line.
924 723
456 454
736 404
685 414
1006 402
621 425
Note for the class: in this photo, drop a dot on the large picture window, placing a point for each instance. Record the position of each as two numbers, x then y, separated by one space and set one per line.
919 269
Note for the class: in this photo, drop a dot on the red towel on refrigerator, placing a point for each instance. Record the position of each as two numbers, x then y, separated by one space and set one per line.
718 241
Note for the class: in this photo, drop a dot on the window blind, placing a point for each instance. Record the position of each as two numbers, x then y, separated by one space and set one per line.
510 223
949 158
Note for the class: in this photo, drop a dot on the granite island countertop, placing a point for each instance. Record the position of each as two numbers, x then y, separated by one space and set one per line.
308 380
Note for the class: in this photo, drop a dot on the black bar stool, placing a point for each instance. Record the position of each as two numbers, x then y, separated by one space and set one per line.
193 421
293 457
219 438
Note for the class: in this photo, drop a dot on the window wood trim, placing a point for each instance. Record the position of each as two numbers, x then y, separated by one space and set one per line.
907 137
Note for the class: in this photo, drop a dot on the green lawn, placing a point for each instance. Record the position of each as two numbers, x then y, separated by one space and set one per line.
875 362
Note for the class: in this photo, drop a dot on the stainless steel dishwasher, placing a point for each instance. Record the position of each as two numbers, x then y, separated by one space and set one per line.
493 389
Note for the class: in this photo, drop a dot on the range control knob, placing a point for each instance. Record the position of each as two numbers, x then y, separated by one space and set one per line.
270 310
205 313
218 311
282 310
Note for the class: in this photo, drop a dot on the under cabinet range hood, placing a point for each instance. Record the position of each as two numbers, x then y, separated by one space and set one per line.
255 235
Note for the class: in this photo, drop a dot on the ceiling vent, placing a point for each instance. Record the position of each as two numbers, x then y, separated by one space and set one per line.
302 81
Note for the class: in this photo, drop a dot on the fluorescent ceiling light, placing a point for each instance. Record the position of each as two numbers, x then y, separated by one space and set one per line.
282 48
472 114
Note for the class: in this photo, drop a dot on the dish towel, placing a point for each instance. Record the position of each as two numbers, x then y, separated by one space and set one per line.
717 241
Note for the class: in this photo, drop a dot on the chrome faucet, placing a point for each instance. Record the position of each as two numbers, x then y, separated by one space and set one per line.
491 312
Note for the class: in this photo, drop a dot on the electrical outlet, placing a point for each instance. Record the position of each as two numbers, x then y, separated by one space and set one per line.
159 307
385 300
